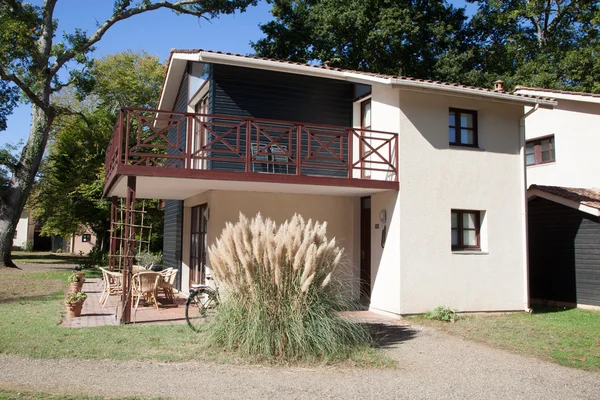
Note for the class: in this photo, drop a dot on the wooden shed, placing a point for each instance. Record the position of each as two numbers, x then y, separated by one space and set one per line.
564 245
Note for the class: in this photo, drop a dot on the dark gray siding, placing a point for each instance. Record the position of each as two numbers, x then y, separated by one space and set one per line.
262 94
173 228
172 236
564 253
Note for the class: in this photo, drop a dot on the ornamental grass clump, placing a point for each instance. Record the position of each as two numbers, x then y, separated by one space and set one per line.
281 297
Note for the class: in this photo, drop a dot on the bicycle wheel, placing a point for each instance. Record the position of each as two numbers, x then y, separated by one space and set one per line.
200 308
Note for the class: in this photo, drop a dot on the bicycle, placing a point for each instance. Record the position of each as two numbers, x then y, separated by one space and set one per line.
201 305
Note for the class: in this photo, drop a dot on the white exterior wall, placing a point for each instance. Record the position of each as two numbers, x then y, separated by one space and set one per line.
576 129
20 239
341 214
434 179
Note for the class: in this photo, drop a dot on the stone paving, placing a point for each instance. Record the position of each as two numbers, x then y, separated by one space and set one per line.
94 314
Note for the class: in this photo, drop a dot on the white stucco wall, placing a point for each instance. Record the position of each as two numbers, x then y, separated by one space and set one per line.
20 238
576 129
435 178
341 214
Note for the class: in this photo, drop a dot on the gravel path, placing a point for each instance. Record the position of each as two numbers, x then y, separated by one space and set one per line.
432 365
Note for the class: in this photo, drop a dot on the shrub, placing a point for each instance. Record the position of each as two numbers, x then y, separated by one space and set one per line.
76 277
75 297
281 299
147 259
442 313
29 245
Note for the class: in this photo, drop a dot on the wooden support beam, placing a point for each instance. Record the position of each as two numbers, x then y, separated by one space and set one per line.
113 234
129 238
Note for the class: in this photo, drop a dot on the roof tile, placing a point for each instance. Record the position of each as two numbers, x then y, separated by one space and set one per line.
377 75
587 197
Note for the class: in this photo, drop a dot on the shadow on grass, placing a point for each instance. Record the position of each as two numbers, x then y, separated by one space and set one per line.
550 309
386 335
26 299
73 259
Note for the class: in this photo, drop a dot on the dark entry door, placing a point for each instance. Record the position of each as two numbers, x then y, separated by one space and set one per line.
198 244
365 250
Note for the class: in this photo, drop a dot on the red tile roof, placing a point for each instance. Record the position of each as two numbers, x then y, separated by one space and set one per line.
384 76
586 94
587 197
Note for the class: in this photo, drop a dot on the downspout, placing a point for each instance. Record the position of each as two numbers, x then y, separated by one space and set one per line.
524 222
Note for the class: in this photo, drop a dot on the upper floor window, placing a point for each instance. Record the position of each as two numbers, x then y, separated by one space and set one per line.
465 230
86 237
462 127
539 151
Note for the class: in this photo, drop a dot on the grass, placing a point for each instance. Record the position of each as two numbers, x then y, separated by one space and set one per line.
25 395
45 257
569 337
31 311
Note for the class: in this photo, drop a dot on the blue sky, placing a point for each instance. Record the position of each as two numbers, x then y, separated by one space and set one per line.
156 32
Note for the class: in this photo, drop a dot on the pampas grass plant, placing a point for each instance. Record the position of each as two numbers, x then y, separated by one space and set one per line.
281 296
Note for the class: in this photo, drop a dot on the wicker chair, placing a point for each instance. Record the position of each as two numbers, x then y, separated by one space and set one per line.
112 285
145 284
167 282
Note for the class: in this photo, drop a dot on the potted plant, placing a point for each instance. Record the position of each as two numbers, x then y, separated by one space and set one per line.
74 303
76 281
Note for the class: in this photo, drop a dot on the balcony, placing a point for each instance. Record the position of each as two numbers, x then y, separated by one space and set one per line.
181 154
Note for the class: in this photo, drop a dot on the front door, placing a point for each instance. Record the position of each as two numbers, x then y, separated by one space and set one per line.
365 250
198 245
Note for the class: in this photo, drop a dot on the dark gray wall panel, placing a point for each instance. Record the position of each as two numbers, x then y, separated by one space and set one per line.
262 94
564 253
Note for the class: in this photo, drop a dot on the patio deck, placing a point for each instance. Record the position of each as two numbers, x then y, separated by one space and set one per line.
94 314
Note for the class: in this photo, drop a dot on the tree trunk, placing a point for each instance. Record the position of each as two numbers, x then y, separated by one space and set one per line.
23 175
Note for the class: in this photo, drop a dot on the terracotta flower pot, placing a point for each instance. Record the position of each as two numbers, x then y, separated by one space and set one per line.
76 286
74 309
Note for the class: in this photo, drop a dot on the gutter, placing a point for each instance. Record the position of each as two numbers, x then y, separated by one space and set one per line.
524 210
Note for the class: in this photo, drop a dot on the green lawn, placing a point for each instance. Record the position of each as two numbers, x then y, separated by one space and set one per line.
31 311
569 337
45 257
21 395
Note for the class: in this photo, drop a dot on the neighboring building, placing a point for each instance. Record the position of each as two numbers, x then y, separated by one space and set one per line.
422 182
82 242
562 143
563 175
30 230
24 233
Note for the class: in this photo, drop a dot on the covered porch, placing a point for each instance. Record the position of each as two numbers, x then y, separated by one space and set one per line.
230 165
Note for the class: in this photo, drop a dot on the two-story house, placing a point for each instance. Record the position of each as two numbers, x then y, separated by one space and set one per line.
563 175
422 182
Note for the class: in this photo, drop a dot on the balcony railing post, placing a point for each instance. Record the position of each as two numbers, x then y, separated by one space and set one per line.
299 150
248 145
126 149
350 136
397 160
189 148
119 138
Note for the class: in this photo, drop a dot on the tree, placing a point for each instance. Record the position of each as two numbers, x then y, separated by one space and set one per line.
545 43
31 61
390 37
68 193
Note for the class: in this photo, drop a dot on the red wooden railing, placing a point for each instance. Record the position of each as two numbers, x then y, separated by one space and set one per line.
166 139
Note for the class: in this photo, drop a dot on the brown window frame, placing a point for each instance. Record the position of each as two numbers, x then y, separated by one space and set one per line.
537 150
460 229
199 232
457 128
86 238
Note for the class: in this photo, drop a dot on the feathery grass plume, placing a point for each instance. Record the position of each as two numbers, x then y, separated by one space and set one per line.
282 298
